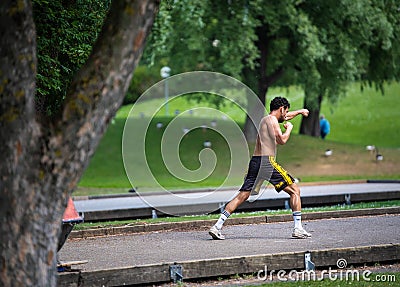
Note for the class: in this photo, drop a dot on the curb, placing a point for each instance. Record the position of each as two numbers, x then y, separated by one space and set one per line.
205 224
254 264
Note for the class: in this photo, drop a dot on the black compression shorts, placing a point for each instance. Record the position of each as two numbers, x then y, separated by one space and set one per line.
263 168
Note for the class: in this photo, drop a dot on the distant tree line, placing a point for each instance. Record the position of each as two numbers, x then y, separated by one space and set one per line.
319 45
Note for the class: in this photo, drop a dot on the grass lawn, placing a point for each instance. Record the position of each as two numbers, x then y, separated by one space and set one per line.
363 118
357 120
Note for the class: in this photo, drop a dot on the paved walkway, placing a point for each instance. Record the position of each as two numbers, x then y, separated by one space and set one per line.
245 240
166 199
202 202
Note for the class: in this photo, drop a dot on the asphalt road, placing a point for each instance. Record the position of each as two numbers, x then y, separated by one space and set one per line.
212 199
244 240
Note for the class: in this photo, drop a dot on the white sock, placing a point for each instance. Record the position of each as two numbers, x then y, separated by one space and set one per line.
224 216
297 219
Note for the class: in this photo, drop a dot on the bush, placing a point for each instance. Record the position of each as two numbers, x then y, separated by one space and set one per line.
143 78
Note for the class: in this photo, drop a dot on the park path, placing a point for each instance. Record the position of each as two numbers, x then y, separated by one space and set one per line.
244 240
125 206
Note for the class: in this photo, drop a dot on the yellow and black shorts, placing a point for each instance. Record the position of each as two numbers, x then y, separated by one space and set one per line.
263 168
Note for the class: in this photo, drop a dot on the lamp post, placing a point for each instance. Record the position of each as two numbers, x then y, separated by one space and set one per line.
165 72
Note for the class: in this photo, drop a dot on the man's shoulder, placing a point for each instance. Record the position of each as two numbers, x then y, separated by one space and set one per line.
269 118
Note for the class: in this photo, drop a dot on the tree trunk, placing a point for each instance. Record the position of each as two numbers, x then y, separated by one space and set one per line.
256 107
310 125
255 112
43 159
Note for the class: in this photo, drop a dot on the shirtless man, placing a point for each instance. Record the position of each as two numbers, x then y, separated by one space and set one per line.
263 167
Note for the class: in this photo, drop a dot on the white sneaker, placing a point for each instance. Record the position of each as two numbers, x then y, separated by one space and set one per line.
300 233
216 233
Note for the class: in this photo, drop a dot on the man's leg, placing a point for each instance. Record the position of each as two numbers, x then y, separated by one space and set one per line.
294 192
295 203
238 200
215 231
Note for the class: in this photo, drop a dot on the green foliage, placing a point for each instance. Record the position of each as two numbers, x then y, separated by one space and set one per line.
353 32
385 56
225 37
203 35
320 45
66 32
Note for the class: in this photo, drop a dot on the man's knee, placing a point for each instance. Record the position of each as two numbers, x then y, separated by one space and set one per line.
292 189
243 195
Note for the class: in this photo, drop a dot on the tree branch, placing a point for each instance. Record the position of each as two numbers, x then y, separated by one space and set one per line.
271 79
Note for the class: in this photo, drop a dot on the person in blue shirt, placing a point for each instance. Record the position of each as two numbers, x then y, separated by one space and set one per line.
324 126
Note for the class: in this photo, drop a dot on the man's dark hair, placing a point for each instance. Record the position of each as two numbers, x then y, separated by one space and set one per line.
278 102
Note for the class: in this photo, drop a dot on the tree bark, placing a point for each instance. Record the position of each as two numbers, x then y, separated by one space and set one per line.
310 125
43 159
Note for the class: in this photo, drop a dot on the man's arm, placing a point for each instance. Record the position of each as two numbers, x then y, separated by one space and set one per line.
281 138
291 115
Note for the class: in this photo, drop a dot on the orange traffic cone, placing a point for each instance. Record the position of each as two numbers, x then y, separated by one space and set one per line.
70 218
70 213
